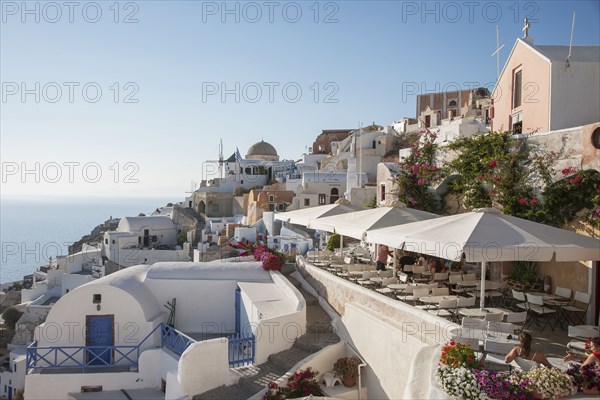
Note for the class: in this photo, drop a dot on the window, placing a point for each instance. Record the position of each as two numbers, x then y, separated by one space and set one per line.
517 123
452 103
517 83
271 198
374 144
322 199
334 195
113 241
427 121
306 202
517 127
97 298
280 207
214 207
596 138
105 241
382 191
271 207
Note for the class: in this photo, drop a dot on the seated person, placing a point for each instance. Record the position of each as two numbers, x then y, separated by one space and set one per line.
592 359
436 265
407 259
522 351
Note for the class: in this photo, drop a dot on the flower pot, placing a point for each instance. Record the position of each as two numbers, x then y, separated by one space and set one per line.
536 395
349 381
592 391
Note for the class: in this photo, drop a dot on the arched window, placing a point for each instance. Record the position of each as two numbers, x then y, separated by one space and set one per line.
334 195
596 138
452 103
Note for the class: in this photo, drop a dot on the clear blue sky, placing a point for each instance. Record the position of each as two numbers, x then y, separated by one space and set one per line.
175 51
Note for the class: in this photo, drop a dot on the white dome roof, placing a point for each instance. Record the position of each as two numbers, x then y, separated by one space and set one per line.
262 148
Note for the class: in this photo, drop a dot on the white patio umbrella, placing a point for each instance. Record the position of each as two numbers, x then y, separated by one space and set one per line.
485 235
303 216
357 224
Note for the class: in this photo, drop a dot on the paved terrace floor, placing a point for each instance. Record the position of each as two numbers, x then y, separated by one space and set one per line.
551 343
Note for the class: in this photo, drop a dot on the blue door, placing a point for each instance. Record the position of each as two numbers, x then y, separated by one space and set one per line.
238 311
100 339
10 393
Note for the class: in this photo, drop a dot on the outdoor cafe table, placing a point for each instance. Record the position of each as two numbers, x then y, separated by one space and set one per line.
398 286
436 299
583 331
482 335
478 313
489 285
552 299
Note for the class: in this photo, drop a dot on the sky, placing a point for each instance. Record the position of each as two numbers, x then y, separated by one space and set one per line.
123 99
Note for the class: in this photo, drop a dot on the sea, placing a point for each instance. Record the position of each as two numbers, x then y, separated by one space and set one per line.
32 231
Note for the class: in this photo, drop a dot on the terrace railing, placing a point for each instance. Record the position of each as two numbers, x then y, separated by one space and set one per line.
241 351
174 340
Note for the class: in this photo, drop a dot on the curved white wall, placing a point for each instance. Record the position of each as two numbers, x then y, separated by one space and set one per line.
204 366
66 321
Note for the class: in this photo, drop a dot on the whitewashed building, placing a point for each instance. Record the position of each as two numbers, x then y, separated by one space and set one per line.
140 240
120 328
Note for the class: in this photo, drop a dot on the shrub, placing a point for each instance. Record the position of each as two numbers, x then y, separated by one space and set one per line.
11 316
333 242
301 384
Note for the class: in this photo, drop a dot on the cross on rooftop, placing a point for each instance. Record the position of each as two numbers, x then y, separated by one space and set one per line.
526 27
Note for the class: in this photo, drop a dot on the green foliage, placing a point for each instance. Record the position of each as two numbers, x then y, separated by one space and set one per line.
371 203
417 172
11 316
347 367
181 238
578 190
523 271
333 242
496 170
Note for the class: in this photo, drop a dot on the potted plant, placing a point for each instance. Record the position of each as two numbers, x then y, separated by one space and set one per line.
547 383
347 369
301 383
459 355
587 378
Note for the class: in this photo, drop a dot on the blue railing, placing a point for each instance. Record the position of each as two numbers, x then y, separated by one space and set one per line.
241 350
174 340
82 356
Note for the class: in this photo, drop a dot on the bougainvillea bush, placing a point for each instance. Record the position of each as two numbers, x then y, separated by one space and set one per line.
270 259
301 383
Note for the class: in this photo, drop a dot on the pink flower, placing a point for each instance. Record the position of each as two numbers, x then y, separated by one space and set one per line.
566 171
421 182
492 163
597 211
480 178
533 201
522 201
576 179
497 179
